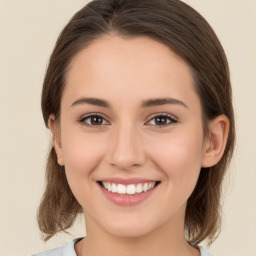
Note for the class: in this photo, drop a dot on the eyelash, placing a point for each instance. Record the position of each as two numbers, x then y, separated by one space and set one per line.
172 120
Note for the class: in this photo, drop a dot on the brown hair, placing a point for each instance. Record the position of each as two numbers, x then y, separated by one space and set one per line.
187 33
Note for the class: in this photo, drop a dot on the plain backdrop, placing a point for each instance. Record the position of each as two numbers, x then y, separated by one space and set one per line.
28 31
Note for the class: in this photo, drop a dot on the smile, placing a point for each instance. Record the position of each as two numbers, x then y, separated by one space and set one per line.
130 189
129 192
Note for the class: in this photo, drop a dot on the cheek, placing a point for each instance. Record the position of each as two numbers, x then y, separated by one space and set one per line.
179 156
81 152
179 159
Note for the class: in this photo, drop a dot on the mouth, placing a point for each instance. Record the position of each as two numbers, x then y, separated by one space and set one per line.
128 189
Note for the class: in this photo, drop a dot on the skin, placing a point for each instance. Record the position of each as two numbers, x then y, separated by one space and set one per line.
130 143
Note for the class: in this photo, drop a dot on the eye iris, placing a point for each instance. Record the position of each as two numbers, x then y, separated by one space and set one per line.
160 120
96 120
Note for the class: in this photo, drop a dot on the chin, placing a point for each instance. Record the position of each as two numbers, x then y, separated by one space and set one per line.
129 233
129 229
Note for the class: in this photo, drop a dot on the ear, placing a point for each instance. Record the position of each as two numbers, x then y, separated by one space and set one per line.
55 129
216 140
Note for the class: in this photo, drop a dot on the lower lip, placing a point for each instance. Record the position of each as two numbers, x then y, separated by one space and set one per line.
127 200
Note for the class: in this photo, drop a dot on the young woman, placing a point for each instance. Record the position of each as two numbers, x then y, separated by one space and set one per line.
137 96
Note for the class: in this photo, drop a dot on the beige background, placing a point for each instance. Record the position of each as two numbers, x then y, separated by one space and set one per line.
28 30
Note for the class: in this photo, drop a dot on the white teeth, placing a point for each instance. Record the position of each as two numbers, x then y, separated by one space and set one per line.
121 189
130 189
114 188
139 188
104 184
152 184
145 187
109 187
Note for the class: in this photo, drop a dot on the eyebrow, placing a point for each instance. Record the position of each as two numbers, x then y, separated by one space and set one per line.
146 103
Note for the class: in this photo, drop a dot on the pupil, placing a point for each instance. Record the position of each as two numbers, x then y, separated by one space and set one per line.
161 120
96 120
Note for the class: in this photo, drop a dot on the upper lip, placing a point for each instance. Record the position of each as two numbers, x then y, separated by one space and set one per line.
119 180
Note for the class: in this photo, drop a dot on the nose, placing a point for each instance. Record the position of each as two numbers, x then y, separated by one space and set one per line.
125 150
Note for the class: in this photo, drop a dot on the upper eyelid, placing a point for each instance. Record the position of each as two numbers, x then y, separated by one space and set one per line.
93 114
164 114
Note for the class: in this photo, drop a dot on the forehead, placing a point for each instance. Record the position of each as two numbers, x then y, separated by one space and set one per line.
108 51
128 67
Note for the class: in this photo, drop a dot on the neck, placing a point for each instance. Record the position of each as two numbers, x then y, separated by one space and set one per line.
167 240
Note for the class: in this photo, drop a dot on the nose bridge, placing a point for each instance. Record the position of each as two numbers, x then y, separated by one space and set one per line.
126 149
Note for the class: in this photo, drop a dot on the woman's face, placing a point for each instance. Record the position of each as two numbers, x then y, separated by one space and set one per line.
130 118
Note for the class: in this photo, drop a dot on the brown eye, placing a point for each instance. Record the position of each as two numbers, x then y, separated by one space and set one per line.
162 120
93 120
96 120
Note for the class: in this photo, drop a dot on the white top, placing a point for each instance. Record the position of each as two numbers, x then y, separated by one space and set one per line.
69 250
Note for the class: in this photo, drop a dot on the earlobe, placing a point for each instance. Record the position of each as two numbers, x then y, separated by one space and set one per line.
54 127
215 143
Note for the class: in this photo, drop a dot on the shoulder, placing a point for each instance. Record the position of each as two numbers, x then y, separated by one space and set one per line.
66 250
204 252
54 252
